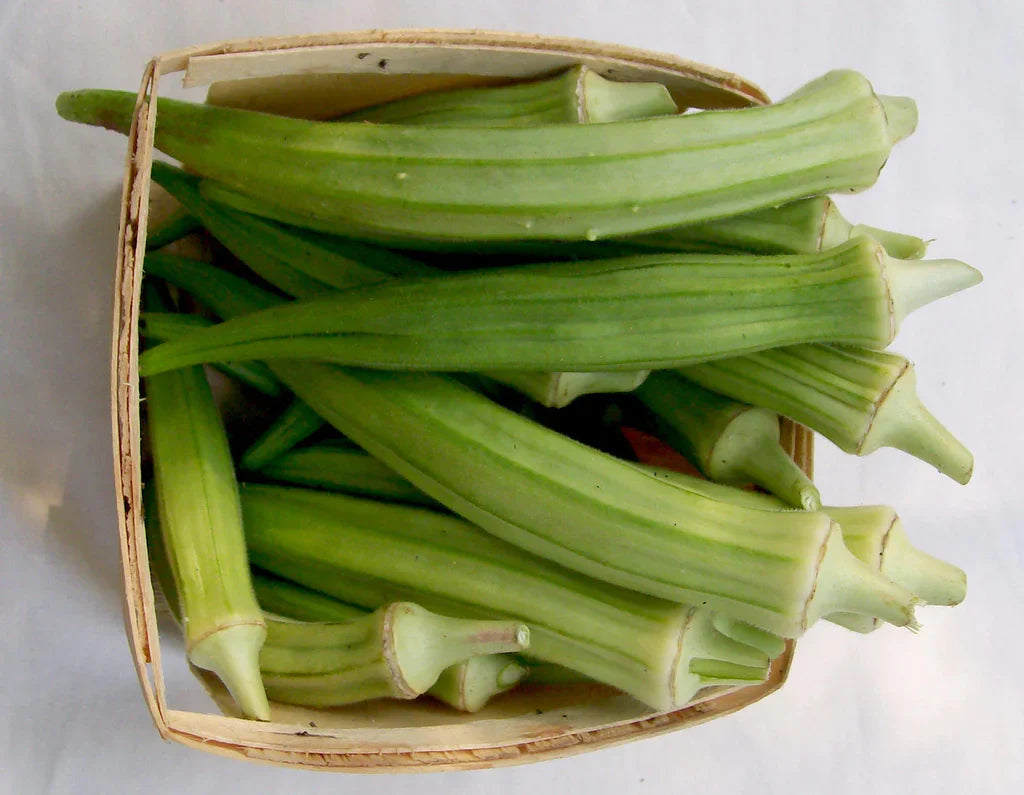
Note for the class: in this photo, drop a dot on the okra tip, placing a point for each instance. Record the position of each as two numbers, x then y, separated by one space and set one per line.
98 107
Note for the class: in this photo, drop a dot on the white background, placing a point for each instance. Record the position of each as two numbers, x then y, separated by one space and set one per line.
940 712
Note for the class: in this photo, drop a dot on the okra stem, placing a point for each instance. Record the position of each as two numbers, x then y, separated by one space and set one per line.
470 685
295 424
466 686
406 184
857 398
730 442
398 652
577 95
633 313
876 535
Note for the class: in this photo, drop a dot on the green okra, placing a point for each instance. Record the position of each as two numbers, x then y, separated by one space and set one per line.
800 227
644 646
163 326
673 543
469 686
200 526
300 264
641 312
295 424
466 686
407 185
351 471
857 398
577 95
729 442
875 534
398 651
177 225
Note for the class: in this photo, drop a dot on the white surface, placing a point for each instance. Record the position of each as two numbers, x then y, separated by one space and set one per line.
891 713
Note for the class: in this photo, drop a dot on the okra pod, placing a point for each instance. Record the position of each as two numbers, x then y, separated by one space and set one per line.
800 227
200 525
875 534
177 225
577 95
857 398
645 646
295 424
633 313
466 686
729 442
398 651
351 471
163 326
404 184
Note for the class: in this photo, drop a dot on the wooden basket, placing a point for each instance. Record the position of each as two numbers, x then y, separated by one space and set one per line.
321 76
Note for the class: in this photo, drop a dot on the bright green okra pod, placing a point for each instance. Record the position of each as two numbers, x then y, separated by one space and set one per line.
398 651
200 525
294 425
859 399
729 442
587 510
163 326
407 184
466 686
577 95
641 645
632 313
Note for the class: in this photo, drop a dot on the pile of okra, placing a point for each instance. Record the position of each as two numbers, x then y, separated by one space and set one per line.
456 323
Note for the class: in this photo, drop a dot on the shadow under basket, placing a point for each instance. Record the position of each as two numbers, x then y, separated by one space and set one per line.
318 77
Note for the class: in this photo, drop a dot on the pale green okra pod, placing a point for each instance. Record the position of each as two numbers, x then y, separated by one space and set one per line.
406 184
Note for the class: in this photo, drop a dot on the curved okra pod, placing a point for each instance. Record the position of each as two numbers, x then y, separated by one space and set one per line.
577 95
405 184
729 442
650 311
857 398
